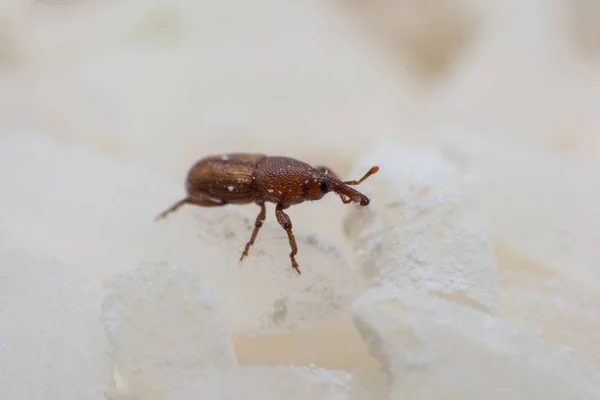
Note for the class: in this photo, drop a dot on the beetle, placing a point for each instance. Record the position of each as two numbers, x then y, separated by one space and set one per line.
243 178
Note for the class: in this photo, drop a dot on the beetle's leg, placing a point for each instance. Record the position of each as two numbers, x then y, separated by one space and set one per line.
257 224
286 224
368 174
328 171
172 209
188 200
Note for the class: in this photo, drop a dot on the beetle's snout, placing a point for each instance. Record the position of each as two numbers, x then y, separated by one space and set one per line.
365 201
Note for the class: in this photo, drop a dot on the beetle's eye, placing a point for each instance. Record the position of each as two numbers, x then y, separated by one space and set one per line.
324 188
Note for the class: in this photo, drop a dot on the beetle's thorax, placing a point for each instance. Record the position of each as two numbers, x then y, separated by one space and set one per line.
283 180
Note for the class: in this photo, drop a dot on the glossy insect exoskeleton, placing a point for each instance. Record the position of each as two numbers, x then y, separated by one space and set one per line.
240 178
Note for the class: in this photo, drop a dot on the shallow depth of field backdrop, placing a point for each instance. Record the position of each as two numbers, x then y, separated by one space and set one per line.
473 274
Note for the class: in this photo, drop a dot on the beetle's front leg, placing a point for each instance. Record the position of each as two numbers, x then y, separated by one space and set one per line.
286 223
257 224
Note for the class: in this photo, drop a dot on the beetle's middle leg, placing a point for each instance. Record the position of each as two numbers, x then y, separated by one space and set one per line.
257 224
286 223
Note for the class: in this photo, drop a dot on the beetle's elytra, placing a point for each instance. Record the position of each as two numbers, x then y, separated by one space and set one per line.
240 178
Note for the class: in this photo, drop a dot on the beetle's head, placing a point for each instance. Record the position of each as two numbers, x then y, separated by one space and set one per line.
349 195
318 188
324 183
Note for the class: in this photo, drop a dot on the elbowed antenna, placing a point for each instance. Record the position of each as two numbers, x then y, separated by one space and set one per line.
348 194
370 172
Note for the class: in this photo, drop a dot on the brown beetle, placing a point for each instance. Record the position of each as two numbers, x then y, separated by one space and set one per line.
241 178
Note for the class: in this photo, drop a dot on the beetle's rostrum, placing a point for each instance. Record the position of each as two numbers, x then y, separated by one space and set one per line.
241 178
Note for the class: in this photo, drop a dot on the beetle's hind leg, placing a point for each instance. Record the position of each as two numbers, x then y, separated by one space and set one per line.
172 209
188 200
286 223
257 225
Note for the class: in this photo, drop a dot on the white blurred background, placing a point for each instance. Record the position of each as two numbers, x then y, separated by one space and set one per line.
165 82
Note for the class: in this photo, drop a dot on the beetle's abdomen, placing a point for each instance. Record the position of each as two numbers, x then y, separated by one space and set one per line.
227 178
